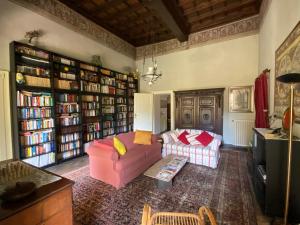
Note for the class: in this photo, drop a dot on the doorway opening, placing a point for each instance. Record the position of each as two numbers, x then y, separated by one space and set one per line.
163 116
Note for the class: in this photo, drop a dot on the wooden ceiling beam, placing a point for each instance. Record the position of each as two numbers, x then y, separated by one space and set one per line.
169 19
202 6
221 10
218 22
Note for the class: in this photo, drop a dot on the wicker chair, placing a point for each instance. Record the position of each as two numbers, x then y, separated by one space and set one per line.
169 218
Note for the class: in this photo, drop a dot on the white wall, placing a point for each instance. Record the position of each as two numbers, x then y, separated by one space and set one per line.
222 64
16 20
279 20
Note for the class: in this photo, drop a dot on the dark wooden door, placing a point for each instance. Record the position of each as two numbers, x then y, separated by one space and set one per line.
206 117
200 109
187 111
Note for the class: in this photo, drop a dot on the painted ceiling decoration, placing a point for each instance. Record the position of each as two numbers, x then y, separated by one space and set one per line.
126 25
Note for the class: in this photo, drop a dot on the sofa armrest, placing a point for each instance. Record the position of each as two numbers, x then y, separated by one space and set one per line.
215 144
97 149
167 138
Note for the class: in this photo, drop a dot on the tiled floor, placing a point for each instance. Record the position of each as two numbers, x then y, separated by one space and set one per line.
83 161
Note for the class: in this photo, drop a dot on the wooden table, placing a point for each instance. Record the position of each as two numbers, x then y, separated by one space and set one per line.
159 166
51 204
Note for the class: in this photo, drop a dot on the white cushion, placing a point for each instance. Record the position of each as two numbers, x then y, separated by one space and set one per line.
192 139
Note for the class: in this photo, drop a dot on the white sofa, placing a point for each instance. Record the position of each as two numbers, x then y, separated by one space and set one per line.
198 154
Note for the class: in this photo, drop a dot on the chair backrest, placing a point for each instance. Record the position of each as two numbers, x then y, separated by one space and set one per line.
172 218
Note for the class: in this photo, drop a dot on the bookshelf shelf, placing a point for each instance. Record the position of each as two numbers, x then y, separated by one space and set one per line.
83 101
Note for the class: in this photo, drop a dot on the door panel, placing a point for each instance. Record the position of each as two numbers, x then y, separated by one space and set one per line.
143 112
187 117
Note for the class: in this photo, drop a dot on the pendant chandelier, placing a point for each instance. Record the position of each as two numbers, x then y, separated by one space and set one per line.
152 73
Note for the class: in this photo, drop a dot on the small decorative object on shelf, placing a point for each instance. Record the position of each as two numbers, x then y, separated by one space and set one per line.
96 59
35 34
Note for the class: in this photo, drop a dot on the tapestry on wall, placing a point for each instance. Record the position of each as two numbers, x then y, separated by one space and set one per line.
287 59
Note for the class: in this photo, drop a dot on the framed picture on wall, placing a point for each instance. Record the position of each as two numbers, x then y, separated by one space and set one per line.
241 99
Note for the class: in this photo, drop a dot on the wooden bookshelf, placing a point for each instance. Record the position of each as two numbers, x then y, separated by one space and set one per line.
85 102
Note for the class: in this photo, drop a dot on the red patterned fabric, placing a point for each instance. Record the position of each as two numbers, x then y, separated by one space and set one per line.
261 101
204 138
183 139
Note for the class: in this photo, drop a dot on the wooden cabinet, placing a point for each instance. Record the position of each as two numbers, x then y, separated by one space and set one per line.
200 109
269 174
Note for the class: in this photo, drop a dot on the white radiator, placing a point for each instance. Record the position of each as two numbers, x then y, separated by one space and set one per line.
242 132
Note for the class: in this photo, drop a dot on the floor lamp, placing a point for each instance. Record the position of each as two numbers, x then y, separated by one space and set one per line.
292 79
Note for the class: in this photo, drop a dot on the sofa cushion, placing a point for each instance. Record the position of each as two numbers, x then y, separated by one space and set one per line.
142 137
182 137
192 139
204 138
119 146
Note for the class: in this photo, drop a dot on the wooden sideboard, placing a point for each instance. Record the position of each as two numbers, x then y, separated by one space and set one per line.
200 109
49 205
270 156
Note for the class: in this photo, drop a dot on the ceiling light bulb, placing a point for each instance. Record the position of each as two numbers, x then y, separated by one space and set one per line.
150 83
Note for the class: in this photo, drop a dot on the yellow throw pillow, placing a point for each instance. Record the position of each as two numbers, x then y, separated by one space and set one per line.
119 146
142 137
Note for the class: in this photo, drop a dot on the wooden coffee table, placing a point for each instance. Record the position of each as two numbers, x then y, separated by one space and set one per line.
166 169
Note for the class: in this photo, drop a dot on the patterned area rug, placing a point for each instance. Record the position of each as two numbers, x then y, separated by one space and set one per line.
226 190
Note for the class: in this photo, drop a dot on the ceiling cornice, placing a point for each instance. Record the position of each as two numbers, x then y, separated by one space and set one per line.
60 13
228 31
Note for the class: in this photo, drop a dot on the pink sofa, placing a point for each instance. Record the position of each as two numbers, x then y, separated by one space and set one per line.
108 166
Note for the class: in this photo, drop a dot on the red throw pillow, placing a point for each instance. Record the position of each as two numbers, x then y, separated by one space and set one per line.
182 137
204 138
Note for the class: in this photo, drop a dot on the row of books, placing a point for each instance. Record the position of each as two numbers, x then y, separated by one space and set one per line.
108 109
32 138
108 90
28 125
109 131
89 76
34 113
121 129
37 81
67 108
68 120
42 160
66 84
39 149
120 92
121 123
88 67
121 108
108 124
90 105
108 100
69 146
30 99
130 108
69 154
121 100
91 112
121 76
29 51
90 87
67 98
92 136
68 137
130 79
91 127
131 92
90 98
64 60
121 115
30 70
69 76
121 85
108 81
106 72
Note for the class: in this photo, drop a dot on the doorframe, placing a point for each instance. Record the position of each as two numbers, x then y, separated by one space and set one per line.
172 104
